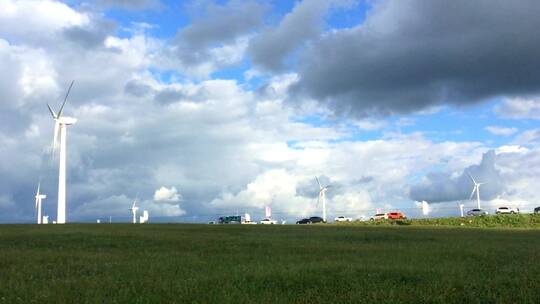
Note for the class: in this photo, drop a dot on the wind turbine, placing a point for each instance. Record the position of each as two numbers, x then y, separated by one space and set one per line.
425 208
476 189
39 197
461 205
144 218
134 211
60 126
322 197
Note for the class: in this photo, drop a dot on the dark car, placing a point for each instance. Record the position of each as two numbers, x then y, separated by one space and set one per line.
316 219
303 221
537 210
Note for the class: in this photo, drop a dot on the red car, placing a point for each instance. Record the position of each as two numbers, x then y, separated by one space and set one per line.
396 216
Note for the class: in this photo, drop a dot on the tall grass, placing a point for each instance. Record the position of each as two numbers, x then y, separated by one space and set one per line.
266 264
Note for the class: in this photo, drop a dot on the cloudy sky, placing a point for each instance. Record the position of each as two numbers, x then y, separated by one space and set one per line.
205 108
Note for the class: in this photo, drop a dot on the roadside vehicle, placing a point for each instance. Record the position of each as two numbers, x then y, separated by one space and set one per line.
477 212
343 219
316 219
303 221
268 221
233 219
507 210
379 216
396 216
537 210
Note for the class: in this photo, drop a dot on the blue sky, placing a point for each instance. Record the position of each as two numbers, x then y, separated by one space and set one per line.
209 107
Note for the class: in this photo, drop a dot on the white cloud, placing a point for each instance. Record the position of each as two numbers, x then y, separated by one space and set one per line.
519 108
370 124
165 194
501 131
35 19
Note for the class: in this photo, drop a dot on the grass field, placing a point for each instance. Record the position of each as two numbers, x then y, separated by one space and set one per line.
490 221
267 264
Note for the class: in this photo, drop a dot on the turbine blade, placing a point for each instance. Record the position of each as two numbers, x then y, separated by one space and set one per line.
472 178
318 182
65 99
472 193
55 137
38 186
52 112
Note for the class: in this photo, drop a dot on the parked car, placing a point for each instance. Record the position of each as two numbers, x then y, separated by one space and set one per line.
379 216
268 221
396 216
507 210
343 219
316 219
303 221
537 210
477 212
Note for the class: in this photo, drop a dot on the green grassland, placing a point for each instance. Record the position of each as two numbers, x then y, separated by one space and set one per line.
174 263
490 221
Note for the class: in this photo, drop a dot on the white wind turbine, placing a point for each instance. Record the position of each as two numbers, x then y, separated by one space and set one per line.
134 211
60 126
322 197
39 197
461 205
144 218
476 189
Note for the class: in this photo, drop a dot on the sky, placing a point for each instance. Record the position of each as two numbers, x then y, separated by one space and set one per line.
205 108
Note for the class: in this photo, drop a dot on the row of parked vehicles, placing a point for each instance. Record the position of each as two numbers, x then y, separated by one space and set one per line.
379 216
500 210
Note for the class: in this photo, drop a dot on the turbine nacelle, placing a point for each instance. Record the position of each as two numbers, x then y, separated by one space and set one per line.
66 120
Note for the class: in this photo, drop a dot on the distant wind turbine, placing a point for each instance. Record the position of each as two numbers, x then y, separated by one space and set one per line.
425 208
134 211
60 127
39 197
322 197
461 205
476 189
144 218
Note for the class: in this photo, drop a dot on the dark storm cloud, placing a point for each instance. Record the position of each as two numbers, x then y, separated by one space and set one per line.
219 25
442 187
269 49
411 55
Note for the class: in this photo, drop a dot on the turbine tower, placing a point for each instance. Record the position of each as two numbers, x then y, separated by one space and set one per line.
144 218
60 126
39 197
461 205
322 197
134 211
476 189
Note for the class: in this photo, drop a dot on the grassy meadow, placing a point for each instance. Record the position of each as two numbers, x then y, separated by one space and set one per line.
490 221
175 263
